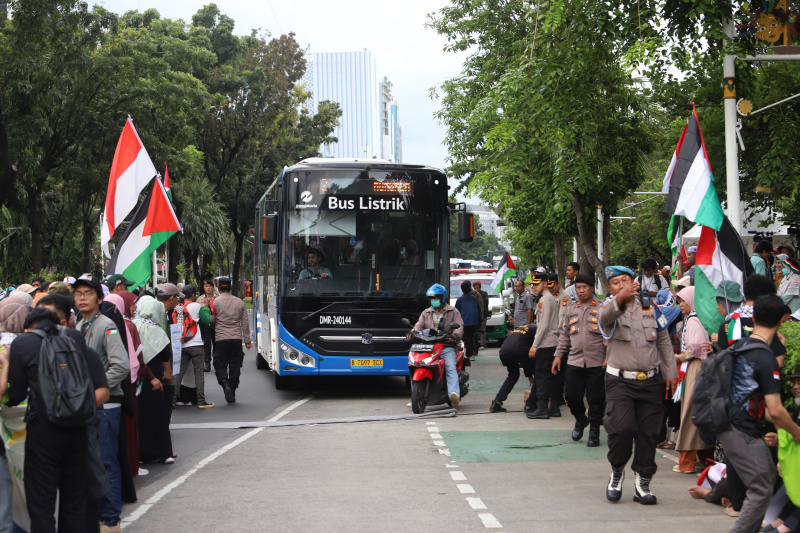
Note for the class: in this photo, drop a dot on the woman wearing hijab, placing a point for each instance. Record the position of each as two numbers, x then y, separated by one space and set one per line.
13 312
789 289
665 301
695 347
155 443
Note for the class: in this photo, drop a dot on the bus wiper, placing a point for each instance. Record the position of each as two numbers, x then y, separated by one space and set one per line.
318 311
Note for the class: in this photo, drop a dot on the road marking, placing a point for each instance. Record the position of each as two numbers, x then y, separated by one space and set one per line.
450 466
476 503
458 475
431 423
444 451
436 436
489 521
433 429
438 443
141 510
465 488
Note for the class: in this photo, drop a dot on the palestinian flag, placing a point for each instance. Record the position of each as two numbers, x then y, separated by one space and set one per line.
673 234
131 171
734 328
721 256
167 186
507 270
689 182
152 225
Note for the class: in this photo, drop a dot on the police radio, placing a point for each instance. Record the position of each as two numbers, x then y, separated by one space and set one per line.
644 299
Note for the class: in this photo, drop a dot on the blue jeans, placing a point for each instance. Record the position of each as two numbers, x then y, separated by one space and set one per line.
6 490
109 507
450 372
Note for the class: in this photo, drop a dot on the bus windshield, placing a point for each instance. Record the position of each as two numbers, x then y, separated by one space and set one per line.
362 233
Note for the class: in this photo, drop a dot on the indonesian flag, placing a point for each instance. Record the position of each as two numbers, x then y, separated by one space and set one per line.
689 182
131 171
721 256
507 270
167 186
152 225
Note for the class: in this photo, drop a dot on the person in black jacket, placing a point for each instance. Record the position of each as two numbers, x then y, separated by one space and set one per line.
515 353
55 456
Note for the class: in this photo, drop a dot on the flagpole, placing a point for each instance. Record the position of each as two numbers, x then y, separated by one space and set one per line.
155 270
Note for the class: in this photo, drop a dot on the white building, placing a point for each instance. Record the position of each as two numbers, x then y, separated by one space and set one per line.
369 127
490 222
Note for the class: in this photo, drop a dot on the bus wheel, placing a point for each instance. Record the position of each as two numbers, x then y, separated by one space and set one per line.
419 395
261 363
283 382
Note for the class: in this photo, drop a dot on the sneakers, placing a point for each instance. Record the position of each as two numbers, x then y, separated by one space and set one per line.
497 407
677 469
471 357
205 405
641 490
730 512
614 489
553 411
455 401
105 528
540 413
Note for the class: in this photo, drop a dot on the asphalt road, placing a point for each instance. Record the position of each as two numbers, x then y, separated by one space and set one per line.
474 472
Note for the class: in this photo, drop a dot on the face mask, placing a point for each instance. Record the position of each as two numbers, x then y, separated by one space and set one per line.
436 303
785 271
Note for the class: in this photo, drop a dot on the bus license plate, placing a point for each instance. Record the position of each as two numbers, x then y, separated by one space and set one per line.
366 363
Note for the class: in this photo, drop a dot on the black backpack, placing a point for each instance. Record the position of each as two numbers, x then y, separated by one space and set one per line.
67 394
712 406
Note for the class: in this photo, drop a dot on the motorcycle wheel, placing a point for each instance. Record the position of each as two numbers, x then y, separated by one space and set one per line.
419 395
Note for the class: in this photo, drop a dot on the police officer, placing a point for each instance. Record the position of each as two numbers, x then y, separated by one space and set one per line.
563 300
581 339
515 353
543 349
641 362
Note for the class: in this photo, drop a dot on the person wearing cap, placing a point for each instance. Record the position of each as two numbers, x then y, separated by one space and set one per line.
231 328
785 249
70 281
580 339
102 335
192 351
760 257
59 287
543 349
118 283
691 257
789 289
523 305
563 300
640 363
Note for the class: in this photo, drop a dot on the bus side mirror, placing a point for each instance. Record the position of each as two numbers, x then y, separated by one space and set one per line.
466 226
269 229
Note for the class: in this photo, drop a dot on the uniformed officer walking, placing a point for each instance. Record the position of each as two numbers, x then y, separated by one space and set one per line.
581 340
563 300
543 349
641 362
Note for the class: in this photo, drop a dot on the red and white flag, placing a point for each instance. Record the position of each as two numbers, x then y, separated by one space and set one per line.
131 171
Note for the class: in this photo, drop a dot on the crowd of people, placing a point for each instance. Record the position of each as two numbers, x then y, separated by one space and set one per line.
145 352
635 361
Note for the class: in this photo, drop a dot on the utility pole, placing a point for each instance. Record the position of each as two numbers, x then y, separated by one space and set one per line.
731 146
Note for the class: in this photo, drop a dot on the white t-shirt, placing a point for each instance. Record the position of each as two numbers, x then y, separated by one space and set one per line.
193 309
649 284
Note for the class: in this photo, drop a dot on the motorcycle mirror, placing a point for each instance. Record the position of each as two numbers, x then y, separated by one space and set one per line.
406 322
454 325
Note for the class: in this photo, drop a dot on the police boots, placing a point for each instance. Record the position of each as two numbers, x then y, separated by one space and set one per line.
641 490
594 436
540 413
614 489
577 431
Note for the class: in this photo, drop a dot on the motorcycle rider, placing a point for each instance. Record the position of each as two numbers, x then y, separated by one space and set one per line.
439 316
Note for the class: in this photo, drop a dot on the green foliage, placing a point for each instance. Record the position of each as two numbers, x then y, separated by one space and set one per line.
791 365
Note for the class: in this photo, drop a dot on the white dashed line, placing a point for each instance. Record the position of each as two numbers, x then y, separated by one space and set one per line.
489 521
475 503
458 475
465 488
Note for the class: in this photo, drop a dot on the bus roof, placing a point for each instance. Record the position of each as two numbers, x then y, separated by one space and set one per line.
336 162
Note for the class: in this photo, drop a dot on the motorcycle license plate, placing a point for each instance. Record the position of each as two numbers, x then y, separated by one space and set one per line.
422 347
366 363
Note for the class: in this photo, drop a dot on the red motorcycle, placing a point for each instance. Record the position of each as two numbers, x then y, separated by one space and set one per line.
426 368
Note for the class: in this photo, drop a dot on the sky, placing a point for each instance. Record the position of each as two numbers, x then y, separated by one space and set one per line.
407 52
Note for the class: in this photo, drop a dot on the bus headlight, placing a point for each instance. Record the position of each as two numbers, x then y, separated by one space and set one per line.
293 355
296 357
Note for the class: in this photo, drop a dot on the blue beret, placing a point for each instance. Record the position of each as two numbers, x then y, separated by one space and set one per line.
612 271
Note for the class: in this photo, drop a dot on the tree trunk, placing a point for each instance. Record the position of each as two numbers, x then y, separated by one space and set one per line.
561 257
208 260
87 235
8 172
35 225
174 256
586 267
237 262
585 240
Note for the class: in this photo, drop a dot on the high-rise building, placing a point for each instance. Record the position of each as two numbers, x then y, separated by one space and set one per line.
369 127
